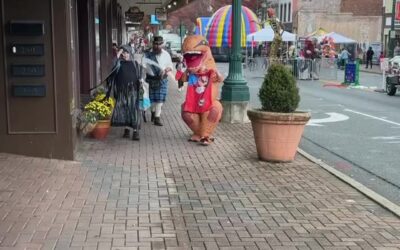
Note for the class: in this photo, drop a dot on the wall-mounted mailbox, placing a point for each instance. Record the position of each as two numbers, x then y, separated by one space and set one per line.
27 49
27 70
26 28
29 90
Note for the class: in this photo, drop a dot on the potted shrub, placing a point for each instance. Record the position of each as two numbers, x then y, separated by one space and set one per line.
277 126
101 109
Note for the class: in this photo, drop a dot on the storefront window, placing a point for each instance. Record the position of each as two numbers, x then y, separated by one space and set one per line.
97 41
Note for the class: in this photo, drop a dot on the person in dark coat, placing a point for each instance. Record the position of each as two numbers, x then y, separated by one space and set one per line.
124 84
370 54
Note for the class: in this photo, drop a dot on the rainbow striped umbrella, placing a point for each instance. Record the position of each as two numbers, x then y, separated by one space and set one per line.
219 28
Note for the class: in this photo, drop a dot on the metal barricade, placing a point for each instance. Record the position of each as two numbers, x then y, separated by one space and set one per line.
314 69
328 68
289 63
255 63
307 69
301 68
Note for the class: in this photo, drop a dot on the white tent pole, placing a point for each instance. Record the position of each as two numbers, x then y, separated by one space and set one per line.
252 49
356 53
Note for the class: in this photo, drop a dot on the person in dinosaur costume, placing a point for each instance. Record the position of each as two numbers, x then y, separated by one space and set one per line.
201 110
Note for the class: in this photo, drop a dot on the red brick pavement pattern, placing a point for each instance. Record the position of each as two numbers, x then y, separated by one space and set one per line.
167 193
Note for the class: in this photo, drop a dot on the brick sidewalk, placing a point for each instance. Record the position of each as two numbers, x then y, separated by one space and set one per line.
166 193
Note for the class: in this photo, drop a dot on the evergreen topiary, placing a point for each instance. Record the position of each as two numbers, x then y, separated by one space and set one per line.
279 92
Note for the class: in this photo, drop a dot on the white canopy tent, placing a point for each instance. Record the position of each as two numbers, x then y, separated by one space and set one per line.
337 38
267 35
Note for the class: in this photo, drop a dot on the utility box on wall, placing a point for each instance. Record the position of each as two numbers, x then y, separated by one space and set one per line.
35 86
27 70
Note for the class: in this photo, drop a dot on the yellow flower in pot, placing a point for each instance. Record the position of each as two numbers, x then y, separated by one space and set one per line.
110 102
102 109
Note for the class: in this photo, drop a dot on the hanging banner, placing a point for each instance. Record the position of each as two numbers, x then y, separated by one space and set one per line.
397 13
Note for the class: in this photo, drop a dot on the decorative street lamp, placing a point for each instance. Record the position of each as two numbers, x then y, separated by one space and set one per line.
263 8
235 94
261 11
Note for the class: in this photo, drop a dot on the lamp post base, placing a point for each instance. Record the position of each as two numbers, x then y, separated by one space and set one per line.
235 112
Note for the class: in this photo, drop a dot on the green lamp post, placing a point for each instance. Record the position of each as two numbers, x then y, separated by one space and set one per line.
235 94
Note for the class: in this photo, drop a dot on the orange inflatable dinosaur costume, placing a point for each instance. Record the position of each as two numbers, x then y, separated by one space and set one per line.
201 110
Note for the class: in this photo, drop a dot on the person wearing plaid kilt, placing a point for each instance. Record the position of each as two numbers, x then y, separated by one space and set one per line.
158 82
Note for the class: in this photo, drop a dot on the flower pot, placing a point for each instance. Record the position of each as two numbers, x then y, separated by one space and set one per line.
277 135
101 129
86 129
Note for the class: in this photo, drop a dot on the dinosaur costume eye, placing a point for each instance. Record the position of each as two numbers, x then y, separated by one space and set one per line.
202 42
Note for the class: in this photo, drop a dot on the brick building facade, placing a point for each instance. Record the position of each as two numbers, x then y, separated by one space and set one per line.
362 7
360 20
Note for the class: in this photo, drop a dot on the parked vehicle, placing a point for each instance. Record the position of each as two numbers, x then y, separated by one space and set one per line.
173 45
393 76
221 54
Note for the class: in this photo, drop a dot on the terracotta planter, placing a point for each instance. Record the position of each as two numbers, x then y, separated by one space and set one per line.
101 129
86 129
277 135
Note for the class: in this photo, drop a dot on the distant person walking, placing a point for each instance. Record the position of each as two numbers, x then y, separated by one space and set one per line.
132 43
344 58
396 51
115 53
180 70
382 60
370 54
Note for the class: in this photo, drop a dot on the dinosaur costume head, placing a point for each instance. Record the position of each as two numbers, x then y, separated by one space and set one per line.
197 54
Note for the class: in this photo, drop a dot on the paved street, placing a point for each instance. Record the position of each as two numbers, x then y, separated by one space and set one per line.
355 130
167 193
365 143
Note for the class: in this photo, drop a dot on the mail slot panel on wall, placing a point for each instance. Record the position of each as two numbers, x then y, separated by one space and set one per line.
27 70
26 28
27 49
29 90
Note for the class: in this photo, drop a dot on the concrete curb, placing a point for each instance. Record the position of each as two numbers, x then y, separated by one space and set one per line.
372 72
395 209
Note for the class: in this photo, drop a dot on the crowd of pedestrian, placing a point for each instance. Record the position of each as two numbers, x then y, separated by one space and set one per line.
138 86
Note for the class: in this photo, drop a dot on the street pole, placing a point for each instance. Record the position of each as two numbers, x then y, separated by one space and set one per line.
180 32
235 94
392 34
263 8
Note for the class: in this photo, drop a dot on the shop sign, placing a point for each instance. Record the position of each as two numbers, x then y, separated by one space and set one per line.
134 15
161 14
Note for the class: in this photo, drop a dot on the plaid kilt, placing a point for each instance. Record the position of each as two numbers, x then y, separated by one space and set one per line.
159 94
